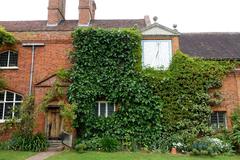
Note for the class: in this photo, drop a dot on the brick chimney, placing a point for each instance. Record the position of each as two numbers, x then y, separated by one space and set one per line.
86 12
56 12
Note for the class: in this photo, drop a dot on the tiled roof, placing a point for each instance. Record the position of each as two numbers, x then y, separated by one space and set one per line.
68 25
140 23
211 45
206 45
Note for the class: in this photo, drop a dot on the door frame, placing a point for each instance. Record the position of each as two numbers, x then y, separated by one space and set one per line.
50 109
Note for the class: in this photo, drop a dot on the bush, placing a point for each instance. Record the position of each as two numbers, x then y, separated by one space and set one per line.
210 146
4 145
92 144
80 147
109 144
235 135
34 143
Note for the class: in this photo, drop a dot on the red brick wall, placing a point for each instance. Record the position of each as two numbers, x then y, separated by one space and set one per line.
54 56
48 60
230 91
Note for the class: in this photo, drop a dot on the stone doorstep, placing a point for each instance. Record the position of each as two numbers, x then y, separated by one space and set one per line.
55 145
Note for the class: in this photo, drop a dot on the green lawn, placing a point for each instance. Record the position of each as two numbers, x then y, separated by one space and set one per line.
14 155
132 156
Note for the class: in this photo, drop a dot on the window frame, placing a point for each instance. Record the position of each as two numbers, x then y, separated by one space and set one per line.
218 123
170 52
106 108
2 120
8 60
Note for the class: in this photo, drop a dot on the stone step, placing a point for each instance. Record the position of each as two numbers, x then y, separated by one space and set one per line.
58 148
55 141
55 145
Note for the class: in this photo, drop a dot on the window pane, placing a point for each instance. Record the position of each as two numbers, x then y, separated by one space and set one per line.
3 59
13 59
1 110
8 110
214 123
165 55
17 110
18 97
157 53
150 50
10 96
96 109
221 118
110 109
102 109
2 96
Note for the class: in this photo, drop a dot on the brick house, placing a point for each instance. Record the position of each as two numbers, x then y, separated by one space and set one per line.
43 46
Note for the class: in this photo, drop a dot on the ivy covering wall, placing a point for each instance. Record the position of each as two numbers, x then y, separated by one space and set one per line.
153 105
184 90
6 38
106 66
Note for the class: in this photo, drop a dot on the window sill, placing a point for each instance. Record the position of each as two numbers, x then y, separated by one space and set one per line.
8 68
3 121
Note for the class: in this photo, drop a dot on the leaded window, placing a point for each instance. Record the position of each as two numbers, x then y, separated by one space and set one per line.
104 108
9 105
218 120
8 59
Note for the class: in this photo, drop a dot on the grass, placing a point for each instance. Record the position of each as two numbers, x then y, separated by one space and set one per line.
69 155
14 155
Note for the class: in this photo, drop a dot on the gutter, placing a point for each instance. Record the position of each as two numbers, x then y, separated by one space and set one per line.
33 45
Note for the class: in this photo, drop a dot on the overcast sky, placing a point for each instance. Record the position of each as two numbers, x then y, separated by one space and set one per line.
189 15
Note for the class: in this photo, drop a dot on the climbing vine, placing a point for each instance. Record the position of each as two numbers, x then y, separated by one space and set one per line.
6 38
58 93
106 66
184 89
153 105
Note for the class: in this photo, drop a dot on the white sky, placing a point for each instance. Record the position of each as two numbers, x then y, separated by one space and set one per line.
190 15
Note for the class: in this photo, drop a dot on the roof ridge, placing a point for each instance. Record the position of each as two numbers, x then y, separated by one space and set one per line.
210 32
25 21
116 19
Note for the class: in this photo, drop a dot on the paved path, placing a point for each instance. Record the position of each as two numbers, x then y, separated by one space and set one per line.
42 155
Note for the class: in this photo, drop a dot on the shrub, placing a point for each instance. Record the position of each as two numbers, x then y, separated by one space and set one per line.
235 135
4 145
210 146
93 144
109 144
80 147
23 142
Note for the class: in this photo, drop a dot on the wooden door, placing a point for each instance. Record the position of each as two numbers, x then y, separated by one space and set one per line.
53 124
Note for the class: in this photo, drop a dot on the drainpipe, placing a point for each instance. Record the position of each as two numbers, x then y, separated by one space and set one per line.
33 45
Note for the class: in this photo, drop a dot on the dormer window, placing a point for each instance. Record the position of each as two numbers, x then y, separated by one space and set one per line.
157 53
8 60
